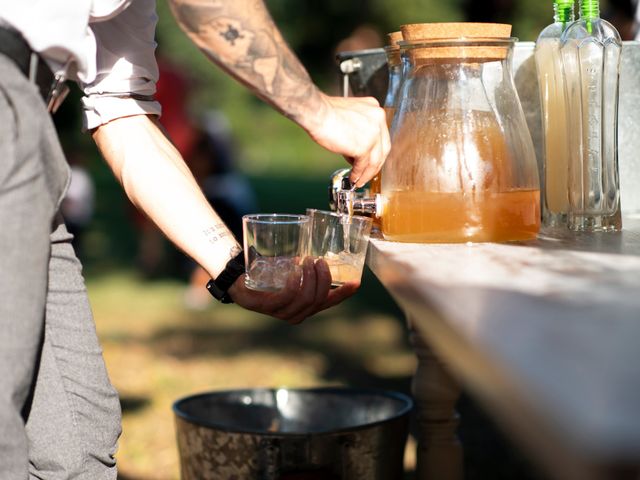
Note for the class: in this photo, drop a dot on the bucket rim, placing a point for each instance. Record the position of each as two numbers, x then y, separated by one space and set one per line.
404 411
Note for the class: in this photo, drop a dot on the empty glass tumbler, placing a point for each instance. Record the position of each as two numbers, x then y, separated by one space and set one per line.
274 246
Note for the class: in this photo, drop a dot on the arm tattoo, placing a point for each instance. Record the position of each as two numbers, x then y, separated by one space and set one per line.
219 232
240 36
216 233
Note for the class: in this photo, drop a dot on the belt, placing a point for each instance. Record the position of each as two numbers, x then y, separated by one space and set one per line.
51 86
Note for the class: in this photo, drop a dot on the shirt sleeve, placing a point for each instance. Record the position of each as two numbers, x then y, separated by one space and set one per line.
127 71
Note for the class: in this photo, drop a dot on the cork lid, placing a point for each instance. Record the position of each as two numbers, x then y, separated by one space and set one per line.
393 49
479 42
394 37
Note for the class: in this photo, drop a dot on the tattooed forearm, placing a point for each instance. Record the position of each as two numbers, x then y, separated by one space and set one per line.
240 36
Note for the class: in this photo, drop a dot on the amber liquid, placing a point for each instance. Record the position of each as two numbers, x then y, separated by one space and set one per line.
555 126
375 183
441 217
457 181
345 266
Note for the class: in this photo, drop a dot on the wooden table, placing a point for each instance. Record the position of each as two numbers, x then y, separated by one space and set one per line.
545 334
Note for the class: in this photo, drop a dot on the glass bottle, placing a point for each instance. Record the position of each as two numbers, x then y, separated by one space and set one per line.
394 64
462 166
591 50
555 198
395 75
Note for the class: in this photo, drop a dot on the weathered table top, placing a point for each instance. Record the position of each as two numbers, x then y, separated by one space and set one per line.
546 334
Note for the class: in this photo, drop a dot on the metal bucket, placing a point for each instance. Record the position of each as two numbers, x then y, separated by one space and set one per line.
324 433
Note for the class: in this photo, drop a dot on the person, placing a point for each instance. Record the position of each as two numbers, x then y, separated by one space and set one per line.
59 414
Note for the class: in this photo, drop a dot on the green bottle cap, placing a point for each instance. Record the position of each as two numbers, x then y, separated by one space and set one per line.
590 9
563 11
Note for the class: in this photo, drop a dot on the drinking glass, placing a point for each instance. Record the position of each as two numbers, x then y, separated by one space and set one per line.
342 242
274 247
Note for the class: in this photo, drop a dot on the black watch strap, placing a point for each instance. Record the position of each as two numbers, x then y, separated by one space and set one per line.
218 287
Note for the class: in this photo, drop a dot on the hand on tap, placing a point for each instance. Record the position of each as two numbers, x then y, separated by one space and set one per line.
356 128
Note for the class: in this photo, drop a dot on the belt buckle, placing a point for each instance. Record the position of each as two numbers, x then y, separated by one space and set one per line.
58 90
57 93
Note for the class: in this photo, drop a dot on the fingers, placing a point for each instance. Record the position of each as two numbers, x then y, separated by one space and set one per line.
266 302
369 160
370 100
323 279
355 127
303 304
325 297
340 294
368 166
322 289
298 300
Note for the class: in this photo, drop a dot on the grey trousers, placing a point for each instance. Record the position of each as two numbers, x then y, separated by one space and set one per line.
59 414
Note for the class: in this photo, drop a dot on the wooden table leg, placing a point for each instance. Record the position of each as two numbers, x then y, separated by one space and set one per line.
435 393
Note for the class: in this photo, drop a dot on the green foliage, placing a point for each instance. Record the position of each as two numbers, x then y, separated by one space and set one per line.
399 12
531 17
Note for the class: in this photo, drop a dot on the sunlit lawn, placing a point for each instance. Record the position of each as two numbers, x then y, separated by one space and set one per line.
157 351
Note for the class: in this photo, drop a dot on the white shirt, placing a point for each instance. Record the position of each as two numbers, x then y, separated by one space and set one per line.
106 45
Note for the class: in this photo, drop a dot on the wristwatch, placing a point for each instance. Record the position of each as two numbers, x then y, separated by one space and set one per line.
218 287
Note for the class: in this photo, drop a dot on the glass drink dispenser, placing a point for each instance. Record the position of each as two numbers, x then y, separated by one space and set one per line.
462 166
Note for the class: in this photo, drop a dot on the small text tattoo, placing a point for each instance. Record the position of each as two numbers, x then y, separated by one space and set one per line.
215 233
